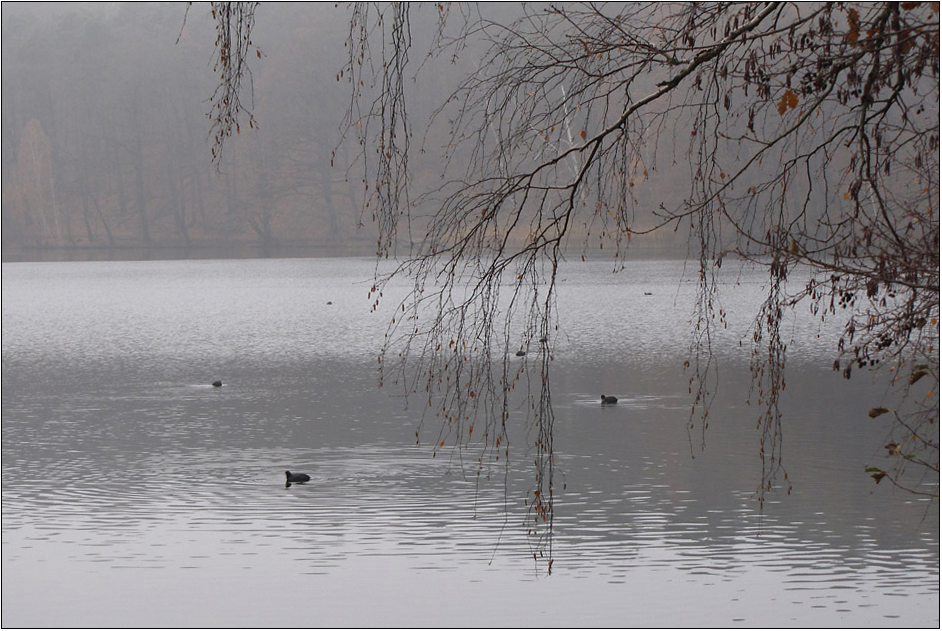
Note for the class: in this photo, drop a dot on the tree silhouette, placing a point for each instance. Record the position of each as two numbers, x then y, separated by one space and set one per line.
795 136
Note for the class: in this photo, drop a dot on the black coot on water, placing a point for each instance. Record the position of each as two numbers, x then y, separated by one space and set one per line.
295 478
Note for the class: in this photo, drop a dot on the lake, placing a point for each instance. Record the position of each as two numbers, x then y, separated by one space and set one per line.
137 494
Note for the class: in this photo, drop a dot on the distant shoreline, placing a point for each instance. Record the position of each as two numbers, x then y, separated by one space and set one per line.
156 252
175 252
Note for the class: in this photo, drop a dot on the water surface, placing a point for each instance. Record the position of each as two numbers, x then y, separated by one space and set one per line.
136 494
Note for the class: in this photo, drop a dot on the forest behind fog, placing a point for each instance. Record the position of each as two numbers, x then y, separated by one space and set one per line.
107 140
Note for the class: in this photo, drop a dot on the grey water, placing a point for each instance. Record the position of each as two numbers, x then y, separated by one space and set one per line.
134 493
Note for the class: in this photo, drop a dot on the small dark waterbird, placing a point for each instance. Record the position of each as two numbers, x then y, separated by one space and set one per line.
295 478
609 400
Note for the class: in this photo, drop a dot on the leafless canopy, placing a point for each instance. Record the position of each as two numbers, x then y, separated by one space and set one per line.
792 135
234 49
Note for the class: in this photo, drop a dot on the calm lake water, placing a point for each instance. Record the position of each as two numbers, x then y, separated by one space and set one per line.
136 494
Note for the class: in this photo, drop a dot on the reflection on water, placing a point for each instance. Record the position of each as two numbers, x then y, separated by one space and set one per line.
134 493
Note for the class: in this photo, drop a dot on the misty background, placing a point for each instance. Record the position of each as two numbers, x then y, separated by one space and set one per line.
107 147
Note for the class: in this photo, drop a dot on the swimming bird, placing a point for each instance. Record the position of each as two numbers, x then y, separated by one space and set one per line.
609 400
217 384
295 478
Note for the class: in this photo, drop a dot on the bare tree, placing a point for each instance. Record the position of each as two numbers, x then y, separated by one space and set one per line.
797 136
234 23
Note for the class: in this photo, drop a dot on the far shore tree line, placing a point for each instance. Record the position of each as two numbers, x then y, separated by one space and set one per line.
107 141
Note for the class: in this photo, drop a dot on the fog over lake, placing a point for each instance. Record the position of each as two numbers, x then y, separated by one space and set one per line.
198 201
137 494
